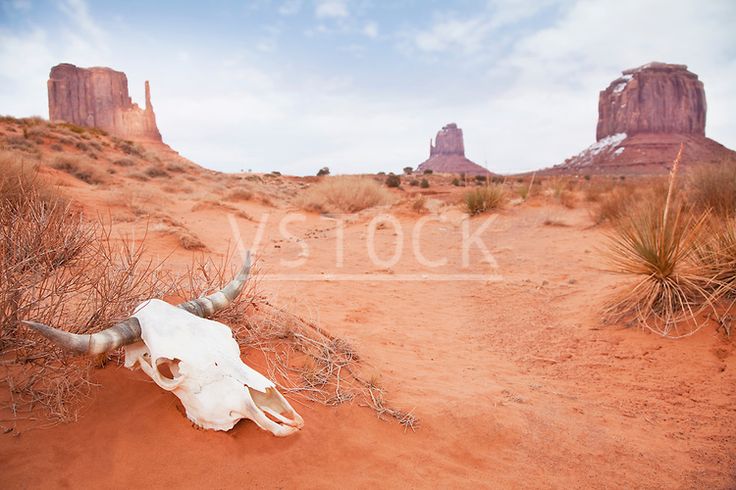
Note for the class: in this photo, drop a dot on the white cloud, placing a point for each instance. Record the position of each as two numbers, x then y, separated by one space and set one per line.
371 30
331 9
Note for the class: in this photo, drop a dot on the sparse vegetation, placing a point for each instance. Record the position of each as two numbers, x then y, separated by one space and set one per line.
343 195
323 172
79 167
483 199
408 170
424 184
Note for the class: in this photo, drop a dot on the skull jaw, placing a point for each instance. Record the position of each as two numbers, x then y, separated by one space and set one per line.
270 411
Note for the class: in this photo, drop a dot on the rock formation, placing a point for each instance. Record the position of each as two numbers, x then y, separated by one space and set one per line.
447 154
643 116
98 97
654 98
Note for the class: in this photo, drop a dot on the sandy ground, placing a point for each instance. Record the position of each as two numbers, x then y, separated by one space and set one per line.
515 380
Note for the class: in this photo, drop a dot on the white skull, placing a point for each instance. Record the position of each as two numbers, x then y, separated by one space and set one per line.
199 361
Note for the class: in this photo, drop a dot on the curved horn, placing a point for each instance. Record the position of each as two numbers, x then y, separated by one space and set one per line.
209 305
120 334
129 331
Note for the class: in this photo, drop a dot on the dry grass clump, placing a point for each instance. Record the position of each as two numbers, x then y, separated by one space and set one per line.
483 199
239 194
344 194
713 187
79 167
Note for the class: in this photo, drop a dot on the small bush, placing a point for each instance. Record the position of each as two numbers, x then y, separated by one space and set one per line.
414 182
456 182
424 184
393 181
323 172
155 172
428 171
484 199
343 194
481 179
408 170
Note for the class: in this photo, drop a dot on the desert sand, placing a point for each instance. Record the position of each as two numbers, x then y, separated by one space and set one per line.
515 380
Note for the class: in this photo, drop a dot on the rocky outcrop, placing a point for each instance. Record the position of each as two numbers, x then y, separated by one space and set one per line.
98 97
447 154
643 117
654 98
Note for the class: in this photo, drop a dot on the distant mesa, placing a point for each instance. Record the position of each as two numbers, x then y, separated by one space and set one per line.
98 97
447 154
643 116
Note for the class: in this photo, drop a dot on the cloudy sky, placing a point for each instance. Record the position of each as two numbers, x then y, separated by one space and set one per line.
361 85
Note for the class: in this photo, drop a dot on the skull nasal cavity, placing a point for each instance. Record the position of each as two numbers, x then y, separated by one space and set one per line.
168 368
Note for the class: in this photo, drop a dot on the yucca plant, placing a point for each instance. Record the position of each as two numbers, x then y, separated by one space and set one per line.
656 242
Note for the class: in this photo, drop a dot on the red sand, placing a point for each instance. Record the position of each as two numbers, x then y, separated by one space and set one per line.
516 383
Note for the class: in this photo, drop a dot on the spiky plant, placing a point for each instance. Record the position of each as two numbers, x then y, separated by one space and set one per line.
656 243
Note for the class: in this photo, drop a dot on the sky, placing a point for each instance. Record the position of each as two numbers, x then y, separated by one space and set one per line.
362 85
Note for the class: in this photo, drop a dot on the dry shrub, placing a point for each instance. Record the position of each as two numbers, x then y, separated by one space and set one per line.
307 361
568 199
19 176
79 167
419 205
156 172
59 269
484 199
344 194
713 187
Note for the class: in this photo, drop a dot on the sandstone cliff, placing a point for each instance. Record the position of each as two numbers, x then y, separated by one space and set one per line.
654 98
98 97
447 154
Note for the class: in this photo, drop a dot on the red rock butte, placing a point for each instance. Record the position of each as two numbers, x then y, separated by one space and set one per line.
447 154
98 97
643 116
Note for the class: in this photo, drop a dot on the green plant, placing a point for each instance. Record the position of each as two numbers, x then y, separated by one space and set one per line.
323 171
428 171
484 199
424 184
408 170
414 182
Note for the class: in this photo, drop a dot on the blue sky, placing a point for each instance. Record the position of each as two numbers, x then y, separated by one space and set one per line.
361 85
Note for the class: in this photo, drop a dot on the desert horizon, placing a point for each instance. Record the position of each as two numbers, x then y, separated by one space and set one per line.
341 244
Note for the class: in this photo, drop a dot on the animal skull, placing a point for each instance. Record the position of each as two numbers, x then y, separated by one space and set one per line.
199 361
195 358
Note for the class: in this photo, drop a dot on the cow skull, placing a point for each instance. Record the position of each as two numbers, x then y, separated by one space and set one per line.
195 358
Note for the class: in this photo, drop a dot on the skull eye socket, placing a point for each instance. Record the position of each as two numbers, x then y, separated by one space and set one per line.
168 368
